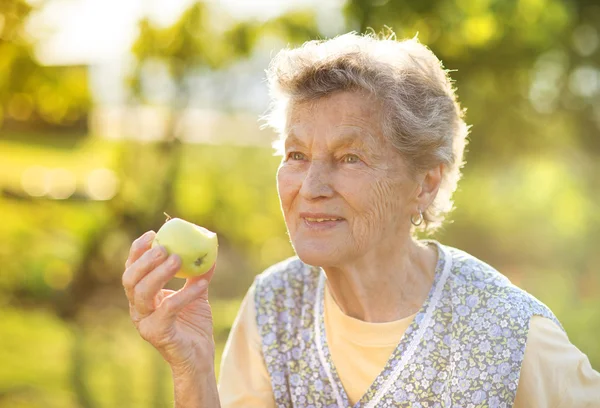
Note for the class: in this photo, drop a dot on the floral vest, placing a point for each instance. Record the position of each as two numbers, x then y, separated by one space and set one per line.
463 349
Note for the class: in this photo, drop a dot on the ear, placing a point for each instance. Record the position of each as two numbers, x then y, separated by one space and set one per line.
429 187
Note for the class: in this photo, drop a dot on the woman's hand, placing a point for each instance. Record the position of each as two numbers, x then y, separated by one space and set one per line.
177 323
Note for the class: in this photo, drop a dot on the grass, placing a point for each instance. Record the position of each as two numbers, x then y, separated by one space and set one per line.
42 354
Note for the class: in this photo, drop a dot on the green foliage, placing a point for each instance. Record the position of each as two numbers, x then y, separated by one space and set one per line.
48 363
515 65
204 40
32 95
214 189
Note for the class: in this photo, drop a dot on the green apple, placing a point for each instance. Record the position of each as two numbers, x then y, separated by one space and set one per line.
195 245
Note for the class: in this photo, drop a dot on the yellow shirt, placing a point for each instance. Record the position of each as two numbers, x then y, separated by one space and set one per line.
554 373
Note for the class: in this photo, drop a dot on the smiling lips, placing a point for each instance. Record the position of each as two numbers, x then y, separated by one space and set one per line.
320 220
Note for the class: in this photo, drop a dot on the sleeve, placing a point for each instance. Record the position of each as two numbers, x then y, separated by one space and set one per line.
243 378
555 373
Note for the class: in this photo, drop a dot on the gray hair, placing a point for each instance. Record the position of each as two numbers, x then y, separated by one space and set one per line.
421 115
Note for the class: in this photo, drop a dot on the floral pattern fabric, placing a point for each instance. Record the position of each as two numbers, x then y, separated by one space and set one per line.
463 349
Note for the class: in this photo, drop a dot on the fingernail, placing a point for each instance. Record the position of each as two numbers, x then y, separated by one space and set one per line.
147 236
173 261
202 284
159 251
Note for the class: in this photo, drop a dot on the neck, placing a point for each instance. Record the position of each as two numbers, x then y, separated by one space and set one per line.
385 286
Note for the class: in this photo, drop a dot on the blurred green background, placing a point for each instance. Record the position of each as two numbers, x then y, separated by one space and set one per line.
113 112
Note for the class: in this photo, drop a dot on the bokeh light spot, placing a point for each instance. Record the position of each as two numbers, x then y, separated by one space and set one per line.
62 183
479 30
102 184
58 274
584 81
20 106
35 181
585 40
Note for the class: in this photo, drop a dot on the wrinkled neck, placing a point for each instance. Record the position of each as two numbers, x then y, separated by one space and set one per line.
384 286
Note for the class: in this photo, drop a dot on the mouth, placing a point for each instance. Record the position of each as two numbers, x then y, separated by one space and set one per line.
320 221
310 219
320 217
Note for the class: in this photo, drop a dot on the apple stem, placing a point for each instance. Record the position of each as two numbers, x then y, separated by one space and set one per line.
168 216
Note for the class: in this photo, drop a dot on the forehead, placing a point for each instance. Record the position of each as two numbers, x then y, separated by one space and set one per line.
351 114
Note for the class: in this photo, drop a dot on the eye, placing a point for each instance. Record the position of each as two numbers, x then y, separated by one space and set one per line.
350 158
296 156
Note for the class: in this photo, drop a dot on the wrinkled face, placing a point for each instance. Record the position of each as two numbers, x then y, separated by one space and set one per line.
344 189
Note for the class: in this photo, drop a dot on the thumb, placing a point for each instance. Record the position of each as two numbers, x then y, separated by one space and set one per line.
206 276
172 304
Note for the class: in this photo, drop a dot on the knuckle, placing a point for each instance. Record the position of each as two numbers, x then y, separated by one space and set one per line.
146 334
139 294
135 318
150 261
127 279
161 269
154 261
134 246
140 244
138 241
169 305
150 258
151 332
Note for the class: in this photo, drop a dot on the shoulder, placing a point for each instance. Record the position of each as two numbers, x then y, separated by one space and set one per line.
555 373
472 275
284 273
290 266
548 344
287 284
469 270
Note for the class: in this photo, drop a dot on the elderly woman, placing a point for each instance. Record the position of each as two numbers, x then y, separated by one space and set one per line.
366 315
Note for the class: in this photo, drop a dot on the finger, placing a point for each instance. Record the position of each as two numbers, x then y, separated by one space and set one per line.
174 303
139 246
141 267
207 276
149 287
163 294
136 317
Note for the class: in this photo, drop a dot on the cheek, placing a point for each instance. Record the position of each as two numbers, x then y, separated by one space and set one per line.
378 202
369 193
287 188
387 196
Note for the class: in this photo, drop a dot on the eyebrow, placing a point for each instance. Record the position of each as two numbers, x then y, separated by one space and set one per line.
357 137
354 137
291 138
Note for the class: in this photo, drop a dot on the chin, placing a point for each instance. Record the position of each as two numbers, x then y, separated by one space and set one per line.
318 256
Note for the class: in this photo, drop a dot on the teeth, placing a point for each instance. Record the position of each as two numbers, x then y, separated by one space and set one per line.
321 219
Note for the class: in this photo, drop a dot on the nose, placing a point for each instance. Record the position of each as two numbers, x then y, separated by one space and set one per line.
317 182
